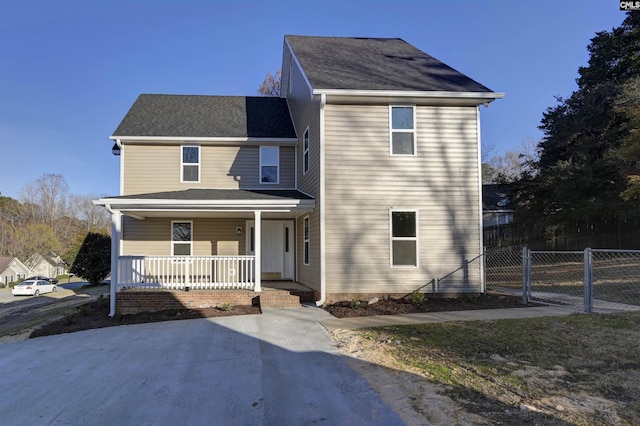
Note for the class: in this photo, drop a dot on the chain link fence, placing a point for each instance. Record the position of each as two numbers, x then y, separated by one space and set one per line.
589 280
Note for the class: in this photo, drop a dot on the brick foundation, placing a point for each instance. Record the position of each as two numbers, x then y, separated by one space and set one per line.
134 301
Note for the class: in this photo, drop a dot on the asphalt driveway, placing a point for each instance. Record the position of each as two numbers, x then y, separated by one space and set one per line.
278 368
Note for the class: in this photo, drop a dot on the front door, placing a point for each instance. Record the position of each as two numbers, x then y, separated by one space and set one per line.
277 248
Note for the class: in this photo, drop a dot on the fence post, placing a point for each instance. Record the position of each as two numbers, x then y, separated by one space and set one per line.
526 270
588 281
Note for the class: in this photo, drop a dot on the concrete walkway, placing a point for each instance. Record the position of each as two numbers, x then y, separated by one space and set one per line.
278 368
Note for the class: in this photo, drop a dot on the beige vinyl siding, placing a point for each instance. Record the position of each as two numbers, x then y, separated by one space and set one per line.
152 236
156 168
305 112
309 275
363 182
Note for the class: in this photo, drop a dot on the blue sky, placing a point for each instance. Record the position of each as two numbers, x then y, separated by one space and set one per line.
70 69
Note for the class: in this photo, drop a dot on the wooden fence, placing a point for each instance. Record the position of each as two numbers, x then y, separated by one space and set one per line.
613 232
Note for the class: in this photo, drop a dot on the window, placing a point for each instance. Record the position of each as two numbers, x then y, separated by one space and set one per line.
306 240
404 238
190 163
403 130
305 151
269 164
181 238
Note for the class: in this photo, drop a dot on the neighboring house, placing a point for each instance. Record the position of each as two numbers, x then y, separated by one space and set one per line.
363 178
497 208
11 269
49 264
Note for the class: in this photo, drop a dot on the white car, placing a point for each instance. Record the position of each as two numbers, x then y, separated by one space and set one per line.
34 288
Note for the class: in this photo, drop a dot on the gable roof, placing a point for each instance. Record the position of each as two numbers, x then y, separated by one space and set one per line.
389 64
198 116
5 261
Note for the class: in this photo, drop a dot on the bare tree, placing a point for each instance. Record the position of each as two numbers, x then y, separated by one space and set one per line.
46 199
94 217
513 164
271 85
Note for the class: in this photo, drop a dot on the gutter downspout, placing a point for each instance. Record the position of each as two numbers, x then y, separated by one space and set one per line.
323 275
116 225
481 218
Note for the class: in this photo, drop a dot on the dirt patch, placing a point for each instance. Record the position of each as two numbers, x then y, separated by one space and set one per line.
488 300
410 394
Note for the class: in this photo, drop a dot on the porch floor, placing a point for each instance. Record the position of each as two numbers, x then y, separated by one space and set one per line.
284 285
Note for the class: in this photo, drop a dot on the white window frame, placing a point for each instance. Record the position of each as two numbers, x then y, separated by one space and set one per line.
173 222
306 238
305 151
416 238
183 164
277 165
411 131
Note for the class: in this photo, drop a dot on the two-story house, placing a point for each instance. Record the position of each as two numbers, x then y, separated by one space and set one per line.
363 178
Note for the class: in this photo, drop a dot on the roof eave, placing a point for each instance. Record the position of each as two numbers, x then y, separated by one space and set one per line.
202 139
487 96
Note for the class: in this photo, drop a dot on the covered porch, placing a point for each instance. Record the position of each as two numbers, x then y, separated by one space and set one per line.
213 240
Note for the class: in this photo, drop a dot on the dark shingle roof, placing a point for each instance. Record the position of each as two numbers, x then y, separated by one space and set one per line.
196 194
207 116
496 197
375 64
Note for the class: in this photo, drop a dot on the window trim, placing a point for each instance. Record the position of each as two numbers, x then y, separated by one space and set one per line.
416 238
306 240
305 151
173 222
183 164
277 165
411 131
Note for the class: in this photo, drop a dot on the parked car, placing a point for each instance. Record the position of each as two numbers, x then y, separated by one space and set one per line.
42 277
34 288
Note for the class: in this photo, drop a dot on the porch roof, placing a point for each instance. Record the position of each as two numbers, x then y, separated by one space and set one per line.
196 202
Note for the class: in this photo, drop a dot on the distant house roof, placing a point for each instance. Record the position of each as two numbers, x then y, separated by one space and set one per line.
5 261
496 197
375 64
207 116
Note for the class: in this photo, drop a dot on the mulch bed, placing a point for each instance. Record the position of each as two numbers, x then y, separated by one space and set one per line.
347 309
96 314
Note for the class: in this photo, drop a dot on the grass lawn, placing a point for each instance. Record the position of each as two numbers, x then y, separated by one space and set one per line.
576 369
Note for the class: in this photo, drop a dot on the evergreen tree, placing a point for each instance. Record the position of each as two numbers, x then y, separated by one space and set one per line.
579 173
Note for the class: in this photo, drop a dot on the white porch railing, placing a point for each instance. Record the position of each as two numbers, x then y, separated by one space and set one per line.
181 272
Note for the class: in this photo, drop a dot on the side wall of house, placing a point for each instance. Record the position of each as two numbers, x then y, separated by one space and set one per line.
305 113
221 166
364 182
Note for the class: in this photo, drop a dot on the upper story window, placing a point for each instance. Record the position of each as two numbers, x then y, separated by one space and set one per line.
190 163
269 164
402 132
305 151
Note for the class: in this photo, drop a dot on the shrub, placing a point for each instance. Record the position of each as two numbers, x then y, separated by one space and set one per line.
93 261
418 298
356 304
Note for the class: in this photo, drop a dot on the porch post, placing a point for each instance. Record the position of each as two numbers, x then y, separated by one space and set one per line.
116 232
257 249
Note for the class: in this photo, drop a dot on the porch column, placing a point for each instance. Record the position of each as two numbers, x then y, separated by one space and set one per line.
116 232
257 252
